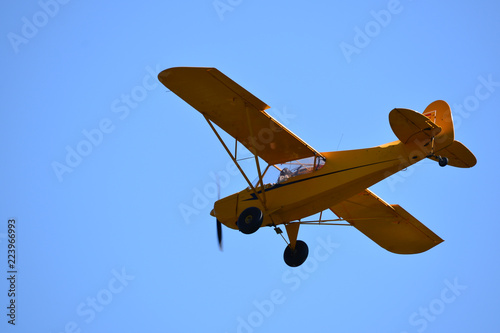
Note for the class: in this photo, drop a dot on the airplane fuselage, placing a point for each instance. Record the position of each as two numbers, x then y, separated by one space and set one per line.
345 174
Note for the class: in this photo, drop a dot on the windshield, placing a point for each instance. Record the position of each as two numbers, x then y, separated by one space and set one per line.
279 173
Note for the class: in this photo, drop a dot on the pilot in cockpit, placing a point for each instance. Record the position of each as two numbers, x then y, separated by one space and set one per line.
284 175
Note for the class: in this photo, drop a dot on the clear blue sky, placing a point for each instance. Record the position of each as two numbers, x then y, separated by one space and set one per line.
98 160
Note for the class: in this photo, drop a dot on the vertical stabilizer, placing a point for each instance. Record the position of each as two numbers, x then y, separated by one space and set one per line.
439 113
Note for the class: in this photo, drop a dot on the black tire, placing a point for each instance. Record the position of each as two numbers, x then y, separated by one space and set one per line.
250 220
443 161
296 257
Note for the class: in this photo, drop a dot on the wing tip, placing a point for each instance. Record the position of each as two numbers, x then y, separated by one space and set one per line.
162 76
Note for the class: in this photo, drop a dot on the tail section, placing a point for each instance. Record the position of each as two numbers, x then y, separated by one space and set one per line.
433 133
439 113
457 155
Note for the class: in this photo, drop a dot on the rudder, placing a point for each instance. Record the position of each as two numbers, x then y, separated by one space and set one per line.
439 113
457 154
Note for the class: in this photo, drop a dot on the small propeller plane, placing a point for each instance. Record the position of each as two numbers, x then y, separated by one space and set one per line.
298 181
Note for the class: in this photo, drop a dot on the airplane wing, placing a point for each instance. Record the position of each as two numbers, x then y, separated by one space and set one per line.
237 112
390 226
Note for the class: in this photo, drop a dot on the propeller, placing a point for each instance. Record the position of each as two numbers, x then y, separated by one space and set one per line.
219 225
219 234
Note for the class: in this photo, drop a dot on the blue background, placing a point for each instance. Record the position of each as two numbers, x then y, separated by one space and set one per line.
119 238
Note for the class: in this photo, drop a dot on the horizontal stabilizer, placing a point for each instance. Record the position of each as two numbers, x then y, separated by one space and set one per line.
458 155
411 126
390 226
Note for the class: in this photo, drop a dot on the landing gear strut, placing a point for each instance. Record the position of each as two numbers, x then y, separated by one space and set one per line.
296 252
443 161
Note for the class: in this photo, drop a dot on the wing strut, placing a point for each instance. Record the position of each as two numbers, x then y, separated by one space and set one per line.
237 164
256 159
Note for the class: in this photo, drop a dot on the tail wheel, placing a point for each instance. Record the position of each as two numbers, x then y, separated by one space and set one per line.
250 220
297 256
443 161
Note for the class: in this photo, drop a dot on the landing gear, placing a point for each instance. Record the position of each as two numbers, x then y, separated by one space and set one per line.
443 161
296 251
297 256
250 220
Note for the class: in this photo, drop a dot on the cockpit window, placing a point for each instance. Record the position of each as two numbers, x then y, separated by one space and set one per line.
279 173
299 167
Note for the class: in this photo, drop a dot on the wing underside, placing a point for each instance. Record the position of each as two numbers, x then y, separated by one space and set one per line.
237 112
390 226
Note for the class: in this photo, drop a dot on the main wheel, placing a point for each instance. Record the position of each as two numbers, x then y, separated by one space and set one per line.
296 257
250 220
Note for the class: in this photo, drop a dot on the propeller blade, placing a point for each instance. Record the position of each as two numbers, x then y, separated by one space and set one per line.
219 225
219 234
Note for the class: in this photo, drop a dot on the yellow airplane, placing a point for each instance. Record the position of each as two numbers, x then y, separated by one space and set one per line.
299 181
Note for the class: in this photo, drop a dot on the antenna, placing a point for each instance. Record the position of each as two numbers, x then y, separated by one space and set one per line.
340 141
